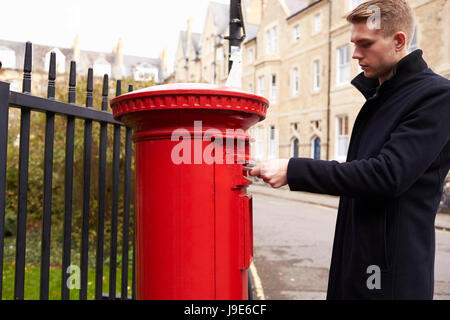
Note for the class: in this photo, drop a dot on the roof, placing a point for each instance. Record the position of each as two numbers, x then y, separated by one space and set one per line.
295 6
87 59
299 9
251 32
195 40
221 16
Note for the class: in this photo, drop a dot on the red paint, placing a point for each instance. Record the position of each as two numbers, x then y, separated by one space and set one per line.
193 221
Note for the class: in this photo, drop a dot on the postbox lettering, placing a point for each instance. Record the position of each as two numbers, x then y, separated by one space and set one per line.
213 153
183 147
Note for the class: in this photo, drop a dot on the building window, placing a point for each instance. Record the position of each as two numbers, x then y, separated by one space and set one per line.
261 86
272 40
145 72
8 58
272 143
259 147
413 46
342 136
205 74
315 148
343 65
296 34
219 54
213 73
275 38
295 82
294 146
316 75
317 22
251 55
273 89
15 85
268 42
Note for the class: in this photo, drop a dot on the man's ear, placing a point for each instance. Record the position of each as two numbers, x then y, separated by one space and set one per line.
400 41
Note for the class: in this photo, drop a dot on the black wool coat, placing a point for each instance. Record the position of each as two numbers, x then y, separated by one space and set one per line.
389 187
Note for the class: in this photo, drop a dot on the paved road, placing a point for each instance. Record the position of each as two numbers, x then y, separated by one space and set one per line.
293 243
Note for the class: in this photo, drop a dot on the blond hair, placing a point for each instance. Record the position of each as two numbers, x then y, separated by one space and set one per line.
396 15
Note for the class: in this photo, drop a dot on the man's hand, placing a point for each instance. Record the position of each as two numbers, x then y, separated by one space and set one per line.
273 172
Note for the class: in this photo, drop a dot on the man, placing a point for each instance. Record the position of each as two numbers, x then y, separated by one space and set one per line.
399 155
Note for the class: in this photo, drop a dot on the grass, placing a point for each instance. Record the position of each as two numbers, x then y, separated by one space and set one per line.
33 257
32 283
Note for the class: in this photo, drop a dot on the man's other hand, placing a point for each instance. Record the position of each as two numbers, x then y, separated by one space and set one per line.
273 172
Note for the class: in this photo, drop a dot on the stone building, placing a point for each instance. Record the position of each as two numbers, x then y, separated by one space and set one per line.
298 55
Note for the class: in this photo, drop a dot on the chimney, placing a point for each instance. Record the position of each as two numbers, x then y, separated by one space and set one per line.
119 53
76 49
253 11
163 58
188 36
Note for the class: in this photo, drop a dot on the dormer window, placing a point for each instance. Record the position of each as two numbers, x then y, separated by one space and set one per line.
60 60
8 58
102 67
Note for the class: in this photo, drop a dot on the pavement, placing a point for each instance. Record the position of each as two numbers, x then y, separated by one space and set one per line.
442 221
293 235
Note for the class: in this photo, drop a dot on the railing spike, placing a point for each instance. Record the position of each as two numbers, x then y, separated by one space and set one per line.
105 93
118 88
89 88
51 76
72 81
27 66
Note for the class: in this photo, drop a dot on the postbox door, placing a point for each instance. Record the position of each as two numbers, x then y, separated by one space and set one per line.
246 232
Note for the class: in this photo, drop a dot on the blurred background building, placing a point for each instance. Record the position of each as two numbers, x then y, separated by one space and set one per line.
298 55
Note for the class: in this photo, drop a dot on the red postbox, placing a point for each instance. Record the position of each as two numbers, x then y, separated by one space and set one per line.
193 213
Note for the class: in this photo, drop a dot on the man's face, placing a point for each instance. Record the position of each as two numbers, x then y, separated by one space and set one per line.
374 52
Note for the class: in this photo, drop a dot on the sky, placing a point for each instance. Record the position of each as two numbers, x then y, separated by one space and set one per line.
145 26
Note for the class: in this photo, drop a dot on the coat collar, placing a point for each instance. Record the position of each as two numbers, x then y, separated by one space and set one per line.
405 68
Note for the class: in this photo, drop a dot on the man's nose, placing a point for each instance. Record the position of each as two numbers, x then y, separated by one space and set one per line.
357 54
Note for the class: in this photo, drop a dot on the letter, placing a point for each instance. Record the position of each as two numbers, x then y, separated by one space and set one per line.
214 151
231 136
73 282
197 310
374 21
374 281
184 145
214 311
263 308
187 310
205 310
198 154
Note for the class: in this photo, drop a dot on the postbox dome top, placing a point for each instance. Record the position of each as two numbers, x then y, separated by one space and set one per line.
189 96
183 88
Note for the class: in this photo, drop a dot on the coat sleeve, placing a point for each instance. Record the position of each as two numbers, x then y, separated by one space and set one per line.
411 149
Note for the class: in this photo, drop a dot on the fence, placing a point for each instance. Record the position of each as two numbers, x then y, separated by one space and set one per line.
27 104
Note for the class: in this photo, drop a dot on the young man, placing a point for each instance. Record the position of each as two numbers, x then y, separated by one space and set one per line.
399 155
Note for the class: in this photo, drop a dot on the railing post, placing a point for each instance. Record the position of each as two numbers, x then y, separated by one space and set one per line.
48 174
24 153
4 105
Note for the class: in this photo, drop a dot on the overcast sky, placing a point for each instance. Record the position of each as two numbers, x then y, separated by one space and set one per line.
146 26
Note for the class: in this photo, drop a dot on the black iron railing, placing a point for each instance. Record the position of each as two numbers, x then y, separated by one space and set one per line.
28 104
